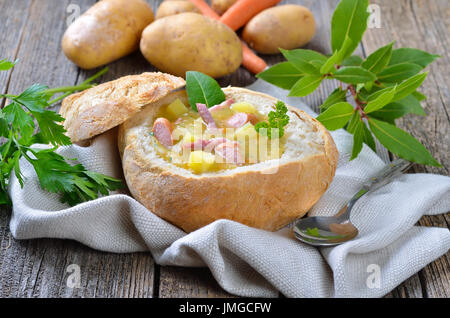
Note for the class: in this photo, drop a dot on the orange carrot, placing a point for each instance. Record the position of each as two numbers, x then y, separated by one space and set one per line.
243 10
205 9
251 61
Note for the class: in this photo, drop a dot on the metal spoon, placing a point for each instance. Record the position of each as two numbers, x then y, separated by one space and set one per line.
335 230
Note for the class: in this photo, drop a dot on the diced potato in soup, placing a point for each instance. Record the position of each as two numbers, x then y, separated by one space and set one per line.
201 147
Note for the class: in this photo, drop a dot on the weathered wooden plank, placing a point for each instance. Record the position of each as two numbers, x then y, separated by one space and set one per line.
435 277
13 19
423 25
38 268
411 288
181 282
41 58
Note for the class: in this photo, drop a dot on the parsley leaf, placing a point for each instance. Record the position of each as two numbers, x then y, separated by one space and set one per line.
74 182
278 119
56 174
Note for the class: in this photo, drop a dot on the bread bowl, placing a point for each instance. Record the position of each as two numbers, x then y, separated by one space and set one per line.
266 195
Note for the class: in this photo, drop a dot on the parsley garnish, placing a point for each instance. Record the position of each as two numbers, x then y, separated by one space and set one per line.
19 123
277 120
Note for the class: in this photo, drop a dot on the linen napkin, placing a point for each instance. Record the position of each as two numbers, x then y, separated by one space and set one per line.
252 262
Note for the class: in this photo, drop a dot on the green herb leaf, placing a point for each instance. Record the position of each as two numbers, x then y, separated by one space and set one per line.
415 56
4 129
73 182
353 60
358 137
34 98
377 93
337 57
401 143
330 63
6 65
368 138
398 73
306 85
354 121
336 116
381 101
19 119
368 86
278 119
354 75
17 125
283 75
349 20
51 131
378 60
338 95
409 86
202 88
412 105
387 81
303 60
419 96
407 105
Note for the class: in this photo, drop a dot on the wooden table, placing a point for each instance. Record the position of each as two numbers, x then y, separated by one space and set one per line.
31 31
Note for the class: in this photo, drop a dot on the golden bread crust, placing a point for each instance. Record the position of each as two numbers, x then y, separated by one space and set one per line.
98 109
265 201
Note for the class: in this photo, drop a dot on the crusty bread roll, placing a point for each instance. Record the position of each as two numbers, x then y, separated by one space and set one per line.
98 109
247 194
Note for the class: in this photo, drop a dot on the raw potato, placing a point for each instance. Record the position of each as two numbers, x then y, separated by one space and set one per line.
191 42
286 27
175 7
109 30
220 6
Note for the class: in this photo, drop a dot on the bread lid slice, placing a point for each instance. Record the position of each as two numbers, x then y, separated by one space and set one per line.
98 109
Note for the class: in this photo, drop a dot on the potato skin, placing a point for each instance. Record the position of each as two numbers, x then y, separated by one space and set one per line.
167 8
109 30
285 26
220 6
191 42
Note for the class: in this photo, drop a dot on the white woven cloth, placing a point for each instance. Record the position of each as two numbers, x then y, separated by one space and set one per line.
251 262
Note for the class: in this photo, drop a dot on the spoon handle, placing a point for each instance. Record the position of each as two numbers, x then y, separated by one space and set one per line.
386 175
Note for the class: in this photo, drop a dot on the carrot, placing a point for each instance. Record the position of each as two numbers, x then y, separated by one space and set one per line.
243 10
205 9
250 60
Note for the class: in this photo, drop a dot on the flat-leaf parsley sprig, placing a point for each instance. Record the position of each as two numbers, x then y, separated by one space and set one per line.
277 120
26 121
382 87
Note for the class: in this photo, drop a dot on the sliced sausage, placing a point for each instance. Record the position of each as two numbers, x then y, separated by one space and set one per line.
213 143
230 152
207 145
199 144
206 115
162 130
238 120
225 104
